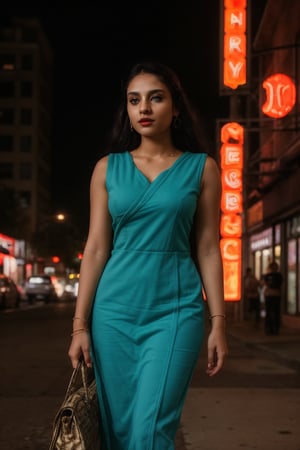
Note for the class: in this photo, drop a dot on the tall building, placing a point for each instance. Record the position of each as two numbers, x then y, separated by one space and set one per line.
26 65
273 168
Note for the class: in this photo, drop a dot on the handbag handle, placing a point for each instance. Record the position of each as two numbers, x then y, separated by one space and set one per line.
80 369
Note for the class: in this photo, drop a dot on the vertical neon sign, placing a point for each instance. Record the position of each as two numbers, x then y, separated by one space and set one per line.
232 138
235 64
232 147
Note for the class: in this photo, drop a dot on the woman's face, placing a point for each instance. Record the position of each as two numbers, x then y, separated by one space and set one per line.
149 105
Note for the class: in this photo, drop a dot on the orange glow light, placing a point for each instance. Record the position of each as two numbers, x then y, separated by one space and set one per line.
234 73
235 4
235 20
231 249
231 152
235 46
231 225
231 156
232 133
280 95
231 202
232 280
232 179
235 27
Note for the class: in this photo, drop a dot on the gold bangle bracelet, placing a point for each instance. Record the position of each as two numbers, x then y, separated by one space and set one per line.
217 315
79 330
79 318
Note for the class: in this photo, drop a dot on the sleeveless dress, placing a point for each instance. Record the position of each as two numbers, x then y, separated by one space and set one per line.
147 322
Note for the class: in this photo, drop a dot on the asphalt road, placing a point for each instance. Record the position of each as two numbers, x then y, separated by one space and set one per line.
254 403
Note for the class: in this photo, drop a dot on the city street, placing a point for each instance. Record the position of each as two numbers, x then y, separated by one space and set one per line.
254 403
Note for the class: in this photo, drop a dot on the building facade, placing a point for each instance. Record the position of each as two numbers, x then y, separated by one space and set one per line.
272 169
26 64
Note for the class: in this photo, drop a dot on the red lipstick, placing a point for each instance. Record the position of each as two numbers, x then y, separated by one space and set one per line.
145 122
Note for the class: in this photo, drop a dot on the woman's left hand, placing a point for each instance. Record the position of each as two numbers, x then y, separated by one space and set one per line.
217 350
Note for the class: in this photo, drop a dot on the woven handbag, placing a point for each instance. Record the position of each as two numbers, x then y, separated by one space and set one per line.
77 424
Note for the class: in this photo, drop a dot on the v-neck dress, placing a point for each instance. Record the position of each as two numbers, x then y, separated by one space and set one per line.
147 323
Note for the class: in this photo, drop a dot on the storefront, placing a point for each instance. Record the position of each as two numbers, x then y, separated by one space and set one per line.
293 266
12 258
280 243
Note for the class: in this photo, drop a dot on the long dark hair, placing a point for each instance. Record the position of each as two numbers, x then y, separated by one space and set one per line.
186 131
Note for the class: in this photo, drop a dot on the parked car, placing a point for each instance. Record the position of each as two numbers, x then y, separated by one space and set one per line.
40 287
10 295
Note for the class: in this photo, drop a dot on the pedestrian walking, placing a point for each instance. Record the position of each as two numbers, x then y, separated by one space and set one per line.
140 314
252 296
273 283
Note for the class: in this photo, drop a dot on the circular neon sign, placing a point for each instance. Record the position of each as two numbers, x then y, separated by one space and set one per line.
280 95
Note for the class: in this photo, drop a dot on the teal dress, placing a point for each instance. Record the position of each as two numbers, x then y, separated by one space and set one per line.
147 322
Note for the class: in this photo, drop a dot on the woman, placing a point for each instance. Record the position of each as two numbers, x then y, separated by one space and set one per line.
140 312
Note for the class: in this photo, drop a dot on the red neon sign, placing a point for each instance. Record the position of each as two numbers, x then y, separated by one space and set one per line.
280 95
232 138
235 27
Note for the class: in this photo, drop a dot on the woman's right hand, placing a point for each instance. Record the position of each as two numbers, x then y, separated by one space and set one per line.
80 345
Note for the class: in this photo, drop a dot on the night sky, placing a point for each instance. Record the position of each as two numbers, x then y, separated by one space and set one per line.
94 46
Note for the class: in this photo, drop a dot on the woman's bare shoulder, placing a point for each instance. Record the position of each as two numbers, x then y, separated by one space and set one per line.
211 172
99 172
211 164
101 164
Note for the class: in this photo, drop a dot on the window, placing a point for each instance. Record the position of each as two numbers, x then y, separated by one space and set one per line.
7 116
6 171
7 61
298 277
266 259
26 62
29 34
6 143
7 89
25 171
26 116
25 198
44 123
26 89
8 34
292 277
25 143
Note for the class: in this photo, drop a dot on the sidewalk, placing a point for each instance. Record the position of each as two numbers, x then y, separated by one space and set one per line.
286 345
251 417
